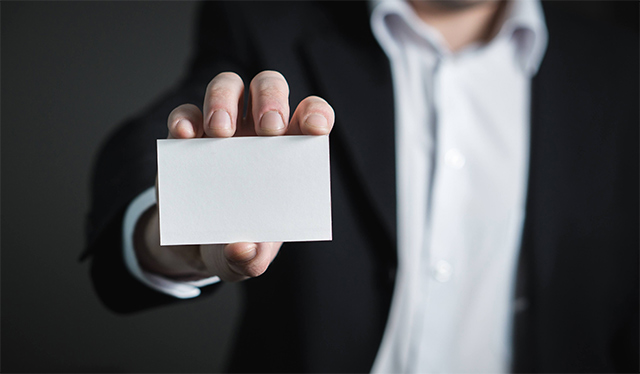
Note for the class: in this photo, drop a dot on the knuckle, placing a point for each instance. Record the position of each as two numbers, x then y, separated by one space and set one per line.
317 104
268 81
313 99
319 108
272 100
270 75
269 92
229 75
225 86
220 92
179 112
227 78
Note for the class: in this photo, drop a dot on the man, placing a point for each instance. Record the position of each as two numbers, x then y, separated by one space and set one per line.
484 188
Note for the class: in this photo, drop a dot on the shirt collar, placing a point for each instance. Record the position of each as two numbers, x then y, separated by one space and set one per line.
526 24
523 22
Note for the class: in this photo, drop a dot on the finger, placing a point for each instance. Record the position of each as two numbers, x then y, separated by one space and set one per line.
222 105
251 259
216 263
269 103
185 122
313 116
238 261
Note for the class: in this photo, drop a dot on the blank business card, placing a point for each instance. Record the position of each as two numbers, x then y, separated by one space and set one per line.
246 189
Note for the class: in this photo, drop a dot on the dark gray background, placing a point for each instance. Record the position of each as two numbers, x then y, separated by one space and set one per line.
71 72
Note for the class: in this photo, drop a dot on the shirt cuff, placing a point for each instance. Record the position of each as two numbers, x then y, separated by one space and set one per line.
181 290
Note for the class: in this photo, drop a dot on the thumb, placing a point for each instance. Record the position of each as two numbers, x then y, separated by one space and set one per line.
238 261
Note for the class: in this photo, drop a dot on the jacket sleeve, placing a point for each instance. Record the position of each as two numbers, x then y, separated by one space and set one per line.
126 163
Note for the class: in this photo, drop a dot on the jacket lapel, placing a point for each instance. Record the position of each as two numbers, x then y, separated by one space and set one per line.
354 76
564 138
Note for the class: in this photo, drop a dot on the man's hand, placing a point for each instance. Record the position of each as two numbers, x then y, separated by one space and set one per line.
267 115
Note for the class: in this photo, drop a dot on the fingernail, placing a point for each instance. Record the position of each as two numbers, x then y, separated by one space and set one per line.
220 120
247 255
271 121
316 120
184 129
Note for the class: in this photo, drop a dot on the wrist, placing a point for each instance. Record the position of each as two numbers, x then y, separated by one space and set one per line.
182 263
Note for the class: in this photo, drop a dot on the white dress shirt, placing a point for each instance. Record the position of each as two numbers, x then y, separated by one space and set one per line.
181 290
462 139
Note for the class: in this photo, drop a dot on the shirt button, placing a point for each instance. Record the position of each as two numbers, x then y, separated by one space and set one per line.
454 158
442 271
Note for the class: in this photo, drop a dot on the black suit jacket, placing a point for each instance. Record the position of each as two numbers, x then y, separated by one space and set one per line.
323 306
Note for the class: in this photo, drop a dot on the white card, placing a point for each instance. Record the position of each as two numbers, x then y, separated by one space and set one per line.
246 189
